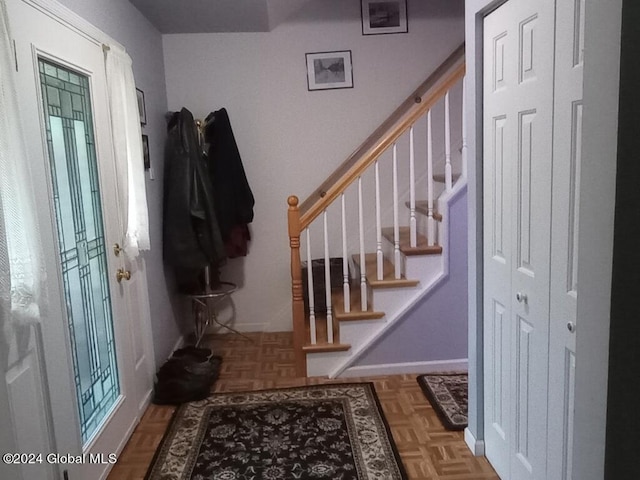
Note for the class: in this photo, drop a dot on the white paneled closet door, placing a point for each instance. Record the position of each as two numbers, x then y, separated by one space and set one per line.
518 138
567 148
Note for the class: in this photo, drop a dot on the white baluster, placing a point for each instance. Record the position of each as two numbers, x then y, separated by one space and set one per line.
363 268
431 224
464 129
327 280
312 311
345 260
447 145
413 227
379 254
396 225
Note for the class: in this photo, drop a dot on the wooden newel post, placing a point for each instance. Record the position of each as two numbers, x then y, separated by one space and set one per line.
299 330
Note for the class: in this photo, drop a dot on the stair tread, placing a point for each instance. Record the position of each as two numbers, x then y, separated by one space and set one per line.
326 347
356 312
388 273
422 207
422 246
321 344
439 177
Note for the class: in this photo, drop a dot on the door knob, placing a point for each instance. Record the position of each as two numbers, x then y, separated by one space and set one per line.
121 274
571 327
117 249
521 297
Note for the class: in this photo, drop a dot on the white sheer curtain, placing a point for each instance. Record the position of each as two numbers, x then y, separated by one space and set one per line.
21 267
127 142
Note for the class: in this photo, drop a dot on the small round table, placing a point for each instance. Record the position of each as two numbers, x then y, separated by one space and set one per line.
204 312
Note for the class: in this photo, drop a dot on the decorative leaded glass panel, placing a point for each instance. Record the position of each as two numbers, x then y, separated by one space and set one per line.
76 196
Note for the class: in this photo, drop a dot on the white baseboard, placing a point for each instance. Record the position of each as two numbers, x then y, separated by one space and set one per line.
146 401
454 365
476 446
241 327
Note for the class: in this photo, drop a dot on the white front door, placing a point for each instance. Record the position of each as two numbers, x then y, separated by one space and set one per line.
97 378
518 127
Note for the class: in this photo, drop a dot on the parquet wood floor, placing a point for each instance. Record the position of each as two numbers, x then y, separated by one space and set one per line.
428 451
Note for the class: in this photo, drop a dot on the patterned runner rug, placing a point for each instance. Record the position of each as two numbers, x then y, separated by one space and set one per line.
315 432
448 396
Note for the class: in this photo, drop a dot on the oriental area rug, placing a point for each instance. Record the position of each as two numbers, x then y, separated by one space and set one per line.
335 431
447 393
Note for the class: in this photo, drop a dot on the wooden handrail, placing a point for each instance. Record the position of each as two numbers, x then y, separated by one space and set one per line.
416 105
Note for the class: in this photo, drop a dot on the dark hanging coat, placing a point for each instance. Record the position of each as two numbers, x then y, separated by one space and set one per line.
233 197
192 238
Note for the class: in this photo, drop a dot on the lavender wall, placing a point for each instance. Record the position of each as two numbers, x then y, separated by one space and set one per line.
123 22
436 327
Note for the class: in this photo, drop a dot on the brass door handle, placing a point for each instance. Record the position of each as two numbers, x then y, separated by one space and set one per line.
121 273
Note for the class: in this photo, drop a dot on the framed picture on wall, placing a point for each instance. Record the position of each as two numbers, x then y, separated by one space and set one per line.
142 109
145 152
388 16
329 70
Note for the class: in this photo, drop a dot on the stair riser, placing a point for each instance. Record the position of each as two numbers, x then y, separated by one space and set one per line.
319 364
354 333
351 332
425 267
422 222
355 268
414 266
388 250
392 299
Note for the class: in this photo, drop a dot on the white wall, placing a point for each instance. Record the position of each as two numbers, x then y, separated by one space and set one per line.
123 22
290 139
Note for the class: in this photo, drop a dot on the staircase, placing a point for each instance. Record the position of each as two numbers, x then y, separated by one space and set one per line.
385 213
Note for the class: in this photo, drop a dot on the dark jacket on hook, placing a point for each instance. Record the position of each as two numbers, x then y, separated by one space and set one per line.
233 197
192 237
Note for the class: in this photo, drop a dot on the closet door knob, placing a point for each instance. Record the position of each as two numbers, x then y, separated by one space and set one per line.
521 297
571 327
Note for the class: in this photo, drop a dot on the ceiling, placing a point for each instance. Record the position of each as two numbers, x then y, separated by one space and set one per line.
207 16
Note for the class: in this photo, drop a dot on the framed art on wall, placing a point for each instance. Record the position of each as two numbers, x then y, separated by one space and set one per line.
329 70
379 17
142 109
145 152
